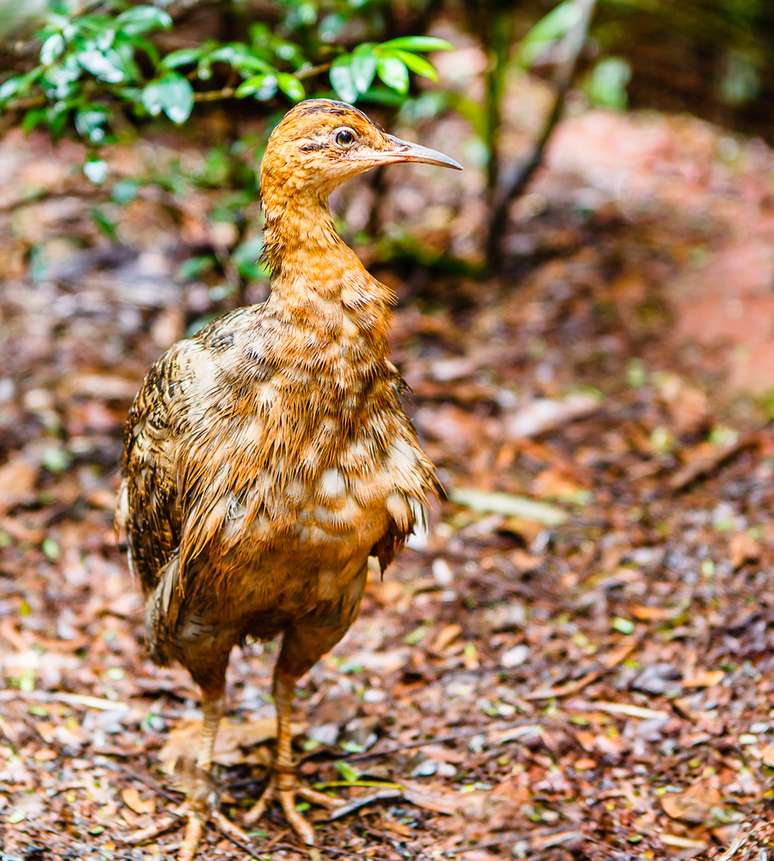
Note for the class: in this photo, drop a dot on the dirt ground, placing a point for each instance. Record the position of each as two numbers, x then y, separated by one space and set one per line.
576 662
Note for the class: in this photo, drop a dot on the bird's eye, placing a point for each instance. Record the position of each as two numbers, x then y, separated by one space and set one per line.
344 137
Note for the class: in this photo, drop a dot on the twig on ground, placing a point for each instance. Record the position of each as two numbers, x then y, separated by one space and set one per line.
622 709
83 700
151 784
363 801
703 466
143 835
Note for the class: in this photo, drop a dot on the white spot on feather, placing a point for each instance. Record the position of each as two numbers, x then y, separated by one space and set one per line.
266 396
331 484
403 458
418 539
398 507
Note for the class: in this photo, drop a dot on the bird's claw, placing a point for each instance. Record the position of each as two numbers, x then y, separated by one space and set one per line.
285 786
195 820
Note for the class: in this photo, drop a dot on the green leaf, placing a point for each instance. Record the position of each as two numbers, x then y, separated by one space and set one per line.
104 224
125 191
50 549
347 771
418 65
90 123
172 95
240 57
96 169
52 48
418 43
342 79
56 118
606 85
140 43
194 266
56 459
415 637
363 66
291 86
58 80
393 72
33 118
105 65
9 88
551 27
246 257
623 626
25 81
262 87
182 57
143 19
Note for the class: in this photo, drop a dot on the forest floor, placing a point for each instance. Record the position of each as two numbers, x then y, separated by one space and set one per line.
577 662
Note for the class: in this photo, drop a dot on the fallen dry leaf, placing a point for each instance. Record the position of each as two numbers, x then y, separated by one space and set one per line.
694 805
440 800
744 548
17 480
446 636
704 679
678 842
542 415
131 798
649 613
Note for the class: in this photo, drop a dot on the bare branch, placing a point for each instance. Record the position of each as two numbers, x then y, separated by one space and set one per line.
520 175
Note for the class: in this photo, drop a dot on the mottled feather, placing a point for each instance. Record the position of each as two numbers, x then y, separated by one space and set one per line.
268 456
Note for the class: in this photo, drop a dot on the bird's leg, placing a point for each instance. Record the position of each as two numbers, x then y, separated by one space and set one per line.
283 783
200 805
300 649
201 795
200 792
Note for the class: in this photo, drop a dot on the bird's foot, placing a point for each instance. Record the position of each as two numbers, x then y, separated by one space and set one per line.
199 809
285 786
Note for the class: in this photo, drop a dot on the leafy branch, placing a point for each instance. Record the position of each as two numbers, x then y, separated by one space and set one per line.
105 60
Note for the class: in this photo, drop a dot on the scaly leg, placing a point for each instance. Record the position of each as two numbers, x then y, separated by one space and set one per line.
302 646
200 804
201 794
283 782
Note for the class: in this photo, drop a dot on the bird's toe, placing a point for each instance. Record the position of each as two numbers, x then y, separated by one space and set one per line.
287 789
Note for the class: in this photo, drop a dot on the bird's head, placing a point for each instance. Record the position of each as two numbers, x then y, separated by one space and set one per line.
321 143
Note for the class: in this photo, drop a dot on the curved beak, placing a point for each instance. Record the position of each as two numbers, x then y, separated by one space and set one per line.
405 151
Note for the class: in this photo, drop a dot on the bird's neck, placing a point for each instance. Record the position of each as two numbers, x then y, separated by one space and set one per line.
316 278
299 228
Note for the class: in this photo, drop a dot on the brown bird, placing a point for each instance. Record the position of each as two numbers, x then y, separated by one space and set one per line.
267 457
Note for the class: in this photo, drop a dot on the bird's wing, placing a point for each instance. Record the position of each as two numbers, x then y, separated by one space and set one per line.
407 507
148 511
179 450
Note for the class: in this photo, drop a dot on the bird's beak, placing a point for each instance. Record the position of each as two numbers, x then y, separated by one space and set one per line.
404 151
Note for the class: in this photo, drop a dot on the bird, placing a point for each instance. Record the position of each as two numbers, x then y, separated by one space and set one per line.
267 457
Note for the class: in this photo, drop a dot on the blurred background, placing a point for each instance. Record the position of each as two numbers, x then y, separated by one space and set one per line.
577 661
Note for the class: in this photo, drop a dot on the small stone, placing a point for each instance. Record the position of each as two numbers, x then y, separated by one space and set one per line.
326 733
515 657
442 572
427 768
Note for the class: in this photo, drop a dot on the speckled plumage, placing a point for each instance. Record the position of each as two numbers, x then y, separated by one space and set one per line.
268 456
